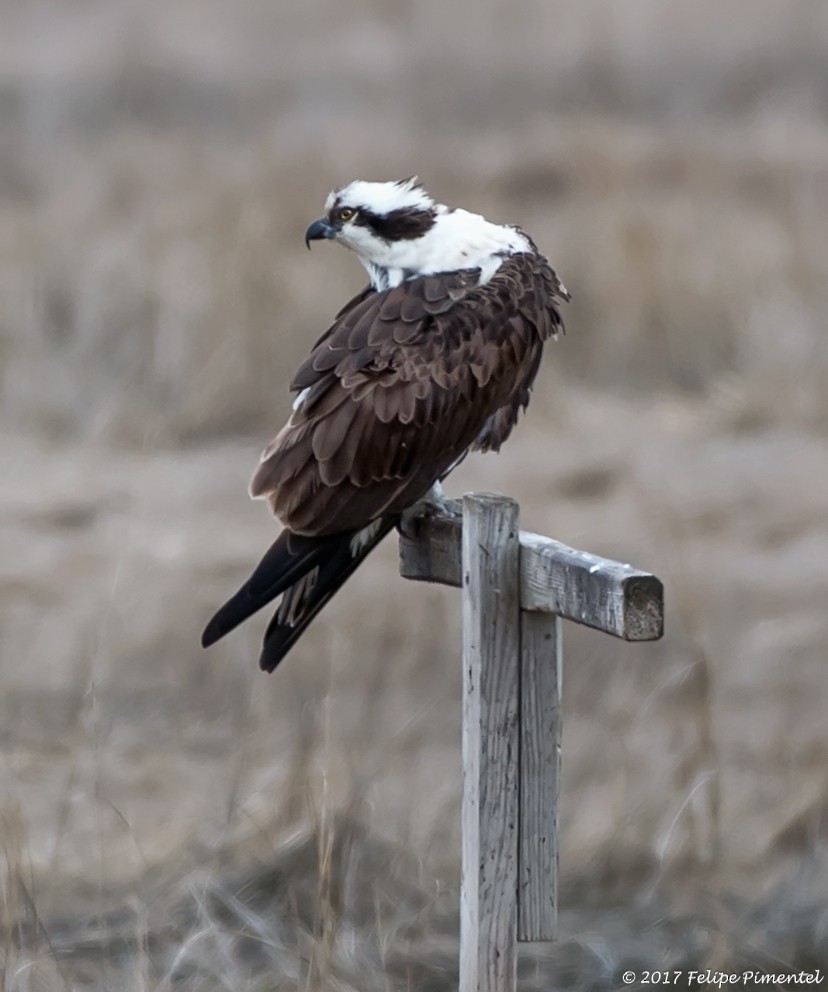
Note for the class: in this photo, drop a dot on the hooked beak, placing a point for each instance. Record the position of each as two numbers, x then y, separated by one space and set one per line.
318 230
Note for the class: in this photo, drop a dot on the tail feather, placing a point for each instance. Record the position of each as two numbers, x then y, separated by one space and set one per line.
286 561
305 572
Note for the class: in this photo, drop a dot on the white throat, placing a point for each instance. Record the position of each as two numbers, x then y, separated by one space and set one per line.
457 240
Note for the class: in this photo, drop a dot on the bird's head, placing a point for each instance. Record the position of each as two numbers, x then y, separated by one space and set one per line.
377 220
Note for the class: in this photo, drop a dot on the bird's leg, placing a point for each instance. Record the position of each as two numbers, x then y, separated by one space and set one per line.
435 503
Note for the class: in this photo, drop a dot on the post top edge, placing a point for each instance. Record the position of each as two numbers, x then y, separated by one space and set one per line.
488 499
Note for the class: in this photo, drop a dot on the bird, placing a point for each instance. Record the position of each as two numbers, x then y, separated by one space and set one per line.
434 358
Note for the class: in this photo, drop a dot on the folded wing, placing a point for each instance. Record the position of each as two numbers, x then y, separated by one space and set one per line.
401 386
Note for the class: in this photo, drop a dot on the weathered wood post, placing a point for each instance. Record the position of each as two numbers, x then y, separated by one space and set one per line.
517 589
540 768
491 742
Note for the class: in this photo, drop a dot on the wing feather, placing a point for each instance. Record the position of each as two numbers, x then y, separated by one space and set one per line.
325 444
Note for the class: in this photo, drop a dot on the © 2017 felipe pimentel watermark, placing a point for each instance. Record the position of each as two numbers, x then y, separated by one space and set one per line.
721 979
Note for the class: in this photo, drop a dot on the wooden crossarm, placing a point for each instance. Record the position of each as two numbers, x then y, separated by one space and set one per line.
554 578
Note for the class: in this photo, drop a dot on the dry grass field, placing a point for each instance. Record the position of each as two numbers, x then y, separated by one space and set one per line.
172 819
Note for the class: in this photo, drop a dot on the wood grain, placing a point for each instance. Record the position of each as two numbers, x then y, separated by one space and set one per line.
540 765
491 660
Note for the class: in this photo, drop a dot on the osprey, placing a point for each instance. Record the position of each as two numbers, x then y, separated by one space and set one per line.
435 358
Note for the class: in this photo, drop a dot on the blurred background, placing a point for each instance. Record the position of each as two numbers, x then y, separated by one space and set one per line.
174 819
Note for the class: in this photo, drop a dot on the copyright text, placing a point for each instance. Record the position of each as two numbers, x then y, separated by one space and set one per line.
722 979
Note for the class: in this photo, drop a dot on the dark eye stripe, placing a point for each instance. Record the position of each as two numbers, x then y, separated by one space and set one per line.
405 224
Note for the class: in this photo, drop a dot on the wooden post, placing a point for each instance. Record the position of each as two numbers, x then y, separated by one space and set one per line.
491 663
517 590
540 766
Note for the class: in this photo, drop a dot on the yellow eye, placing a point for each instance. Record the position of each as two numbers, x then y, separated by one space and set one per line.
345 214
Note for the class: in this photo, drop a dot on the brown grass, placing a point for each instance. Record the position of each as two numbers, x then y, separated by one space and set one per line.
171 820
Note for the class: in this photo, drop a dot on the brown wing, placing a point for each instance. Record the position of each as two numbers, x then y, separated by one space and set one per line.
399 388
